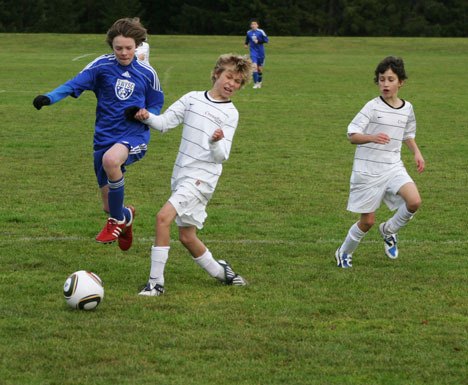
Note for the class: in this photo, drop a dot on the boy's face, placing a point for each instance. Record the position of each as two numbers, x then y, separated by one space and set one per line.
389 84
254 25
226 84
124 49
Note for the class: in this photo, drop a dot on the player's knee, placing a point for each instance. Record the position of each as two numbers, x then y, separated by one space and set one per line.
414 204
365 224
162 219
187 239
110 162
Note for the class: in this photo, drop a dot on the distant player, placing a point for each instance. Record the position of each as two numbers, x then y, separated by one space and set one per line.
255 39
119 81
143 52
209 122
379 130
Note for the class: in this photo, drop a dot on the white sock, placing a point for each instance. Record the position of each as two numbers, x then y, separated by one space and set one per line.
395 223
210 265
159 255
355 235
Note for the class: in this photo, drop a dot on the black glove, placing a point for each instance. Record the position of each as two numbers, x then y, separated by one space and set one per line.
40 101
130 113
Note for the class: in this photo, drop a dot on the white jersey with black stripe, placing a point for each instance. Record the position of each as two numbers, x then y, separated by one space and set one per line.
198 165
375 117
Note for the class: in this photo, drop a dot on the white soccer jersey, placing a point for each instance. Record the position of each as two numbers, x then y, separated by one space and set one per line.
375 117
143 49
198 164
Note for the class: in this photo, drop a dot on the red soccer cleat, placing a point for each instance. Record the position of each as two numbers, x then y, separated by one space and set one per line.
126 237
111 231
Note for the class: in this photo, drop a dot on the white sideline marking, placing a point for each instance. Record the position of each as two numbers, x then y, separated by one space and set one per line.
166 76
239 241
82 56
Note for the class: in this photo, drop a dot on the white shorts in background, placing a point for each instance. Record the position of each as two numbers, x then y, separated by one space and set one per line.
367 191
191 211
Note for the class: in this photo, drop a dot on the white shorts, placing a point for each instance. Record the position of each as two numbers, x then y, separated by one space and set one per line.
367 191
191 211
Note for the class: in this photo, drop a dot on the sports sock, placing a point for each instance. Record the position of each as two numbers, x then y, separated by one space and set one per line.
116 198
260 77
210 265
351 242
255 77
127 214
159 256
399 219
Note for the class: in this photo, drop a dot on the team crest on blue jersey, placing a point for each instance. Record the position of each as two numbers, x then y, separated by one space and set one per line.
124 89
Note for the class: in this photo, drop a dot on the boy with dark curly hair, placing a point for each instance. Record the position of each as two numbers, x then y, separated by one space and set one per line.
379 174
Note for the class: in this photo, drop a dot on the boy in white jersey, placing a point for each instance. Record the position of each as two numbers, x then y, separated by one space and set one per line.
210 120
379 130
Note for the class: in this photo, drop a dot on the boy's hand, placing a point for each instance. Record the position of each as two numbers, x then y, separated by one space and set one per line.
136 114
217 135
420 164
381 138
142 114
40 101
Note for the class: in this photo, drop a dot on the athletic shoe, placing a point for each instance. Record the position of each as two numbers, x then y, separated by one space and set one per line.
152 290
391 248
126 237
231 278
343 260
111 231
257 85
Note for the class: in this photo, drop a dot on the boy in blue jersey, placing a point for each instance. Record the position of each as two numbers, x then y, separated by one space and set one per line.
255 39
119 81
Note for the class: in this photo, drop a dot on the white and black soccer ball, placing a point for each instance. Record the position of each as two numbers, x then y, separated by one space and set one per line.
83 290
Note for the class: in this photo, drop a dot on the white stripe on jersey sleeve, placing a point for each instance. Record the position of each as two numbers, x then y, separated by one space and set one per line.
155 79
110 57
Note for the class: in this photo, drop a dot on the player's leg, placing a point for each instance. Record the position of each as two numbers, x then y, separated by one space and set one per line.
410 194
136 152
160 251
254 71
221 270
112 162
389 229
105 198
355 234
260 71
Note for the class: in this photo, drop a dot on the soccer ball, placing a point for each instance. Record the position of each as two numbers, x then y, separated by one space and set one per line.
83 290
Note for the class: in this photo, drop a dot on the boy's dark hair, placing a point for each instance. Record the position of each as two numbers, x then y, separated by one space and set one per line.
127 27
254 19
396 64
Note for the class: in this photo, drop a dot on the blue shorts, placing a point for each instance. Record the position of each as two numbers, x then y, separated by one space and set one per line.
137 150
258 60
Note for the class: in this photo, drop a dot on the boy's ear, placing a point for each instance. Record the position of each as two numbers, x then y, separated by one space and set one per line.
402 82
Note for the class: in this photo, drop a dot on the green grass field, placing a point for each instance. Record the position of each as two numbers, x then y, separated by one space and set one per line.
278 215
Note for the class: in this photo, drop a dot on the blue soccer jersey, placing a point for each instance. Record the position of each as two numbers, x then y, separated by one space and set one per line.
256 38
116 88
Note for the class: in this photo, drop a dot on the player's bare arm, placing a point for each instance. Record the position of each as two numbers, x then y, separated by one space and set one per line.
380 138
418 158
